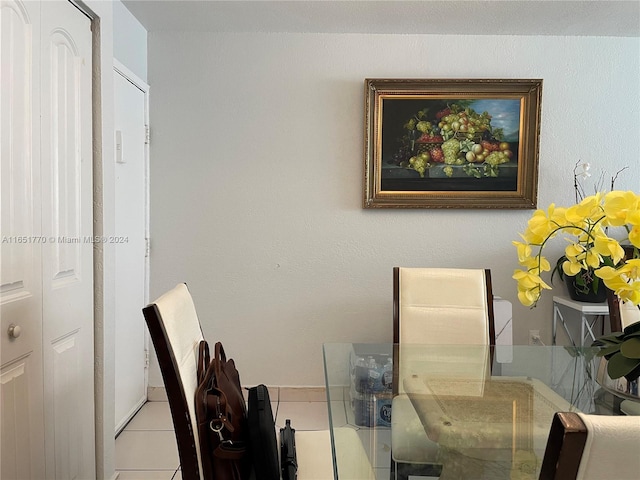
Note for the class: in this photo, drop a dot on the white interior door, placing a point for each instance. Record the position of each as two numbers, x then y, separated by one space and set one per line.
21 387
130 253
67 262
46 290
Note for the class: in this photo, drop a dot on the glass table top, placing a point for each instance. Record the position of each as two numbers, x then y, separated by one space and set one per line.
453 411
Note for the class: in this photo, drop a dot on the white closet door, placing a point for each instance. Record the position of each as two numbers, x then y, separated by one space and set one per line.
46 267
67 262
21 381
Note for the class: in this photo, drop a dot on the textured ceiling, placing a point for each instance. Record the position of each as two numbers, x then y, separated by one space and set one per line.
455 17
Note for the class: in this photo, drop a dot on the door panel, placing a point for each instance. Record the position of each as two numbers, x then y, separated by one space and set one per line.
65 159
67 262
18 439
21 381
69 398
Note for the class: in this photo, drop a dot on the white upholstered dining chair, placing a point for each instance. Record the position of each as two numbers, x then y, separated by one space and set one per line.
434 306
592 447
176 333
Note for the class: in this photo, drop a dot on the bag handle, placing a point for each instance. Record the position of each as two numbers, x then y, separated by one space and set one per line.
219 359
203 359
219 352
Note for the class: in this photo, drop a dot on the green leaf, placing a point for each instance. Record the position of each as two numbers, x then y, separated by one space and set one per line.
614 338
606 261
634 374
619 365
609 350
630 348
633 328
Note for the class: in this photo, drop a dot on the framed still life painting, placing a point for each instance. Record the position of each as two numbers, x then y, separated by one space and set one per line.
451 143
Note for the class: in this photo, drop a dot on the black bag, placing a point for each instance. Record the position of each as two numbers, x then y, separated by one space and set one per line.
288 456
221 415
263 444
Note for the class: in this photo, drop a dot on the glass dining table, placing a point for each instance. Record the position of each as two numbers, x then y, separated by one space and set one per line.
453 411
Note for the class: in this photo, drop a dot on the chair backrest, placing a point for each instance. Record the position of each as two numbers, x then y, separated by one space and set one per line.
590 447
176 333
621 314
443 306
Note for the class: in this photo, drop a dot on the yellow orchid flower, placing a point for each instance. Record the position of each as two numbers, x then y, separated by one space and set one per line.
617 205
541 225
607 273
558 215
624 280
574 251
571 268
608 247
545 266
593 259
620 284
634 236
630 293
524 251
529 287
633 216
531 264
527 298
591 248
536 265
589 208
529 280
630 269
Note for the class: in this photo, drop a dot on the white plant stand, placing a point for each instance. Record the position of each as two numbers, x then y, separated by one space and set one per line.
589 314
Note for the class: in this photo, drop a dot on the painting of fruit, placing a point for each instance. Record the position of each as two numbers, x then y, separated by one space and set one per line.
453 133
451 143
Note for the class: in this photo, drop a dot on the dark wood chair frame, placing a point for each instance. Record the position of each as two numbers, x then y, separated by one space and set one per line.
565 447
185 439
614 311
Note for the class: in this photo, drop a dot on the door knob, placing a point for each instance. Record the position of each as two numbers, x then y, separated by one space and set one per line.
14 331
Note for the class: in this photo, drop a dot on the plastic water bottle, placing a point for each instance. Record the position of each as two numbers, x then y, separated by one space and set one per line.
374 374
387 374
361 377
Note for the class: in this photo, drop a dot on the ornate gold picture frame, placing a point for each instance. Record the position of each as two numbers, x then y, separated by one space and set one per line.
451 143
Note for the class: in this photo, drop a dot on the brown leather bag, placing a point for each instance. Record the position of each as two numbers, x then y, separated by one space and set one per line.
221 413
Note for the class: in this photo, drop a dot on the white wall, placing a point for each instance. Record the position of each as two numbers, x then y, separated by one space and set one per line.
129 40
256 179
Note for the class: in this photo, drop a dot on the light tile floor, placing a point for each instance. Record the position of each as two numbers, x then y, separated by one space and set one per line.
146 448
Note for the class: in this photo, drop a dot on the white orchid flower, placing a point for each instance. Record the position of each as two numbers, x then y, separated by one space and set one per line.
585 171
